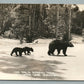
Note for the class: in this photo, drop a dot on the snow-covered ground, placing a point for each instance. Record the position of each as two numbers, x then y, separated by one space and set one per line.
40 66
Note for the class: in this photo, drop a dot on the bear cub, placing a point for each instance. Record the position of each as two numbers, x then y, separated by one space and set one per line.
18 51
27 50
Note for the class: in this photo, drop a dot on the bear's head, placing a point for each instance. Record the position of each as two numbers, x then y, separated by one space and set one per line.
31 49
70 44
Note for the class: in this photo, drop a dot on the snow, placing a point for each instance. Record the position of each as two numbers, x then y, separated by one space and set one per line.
39 65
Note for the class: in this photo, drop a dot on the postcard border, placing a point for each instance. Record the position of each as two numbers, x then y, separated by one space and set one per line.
41 2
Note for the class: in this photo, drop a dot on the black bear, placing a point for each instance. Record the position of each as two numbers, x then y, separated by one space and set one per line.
18 51
27 50
59 45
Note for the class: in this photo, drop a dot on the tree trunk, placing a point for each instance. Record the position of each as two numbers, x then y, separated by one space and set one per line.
56 30
69 26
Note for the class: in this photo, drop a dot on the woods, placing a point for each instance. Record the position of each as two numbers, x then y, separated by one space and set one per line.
31 21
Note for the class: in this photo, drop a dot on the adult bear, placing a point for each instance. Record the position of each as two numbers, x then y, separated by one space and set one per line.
59 45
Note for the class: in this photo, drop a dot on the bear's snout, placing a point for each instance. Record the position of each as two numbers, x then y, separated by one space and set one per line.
71 45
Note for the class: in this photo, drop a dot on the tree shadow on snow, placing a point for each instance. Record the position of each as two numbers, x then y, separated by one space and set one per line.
63 56
33 68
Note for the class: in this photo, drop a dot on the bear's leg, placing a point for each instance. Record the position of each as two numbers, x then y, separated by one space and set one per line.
53 52
25 52
20 53
28 53
11 53
49 53
64 51
16 53
58 50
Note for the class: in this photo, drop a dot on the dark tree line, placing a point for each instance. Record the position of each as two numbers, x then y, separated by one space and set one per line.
32 21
